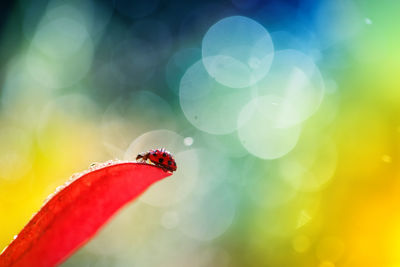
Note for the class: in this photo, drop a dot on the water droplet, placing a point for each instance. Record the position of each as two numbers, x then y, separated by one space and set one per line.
3 250
368 21
59 188
75 176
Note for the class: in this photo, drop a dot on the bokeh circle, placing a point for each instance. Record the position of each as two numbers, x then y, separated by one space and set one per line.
237 51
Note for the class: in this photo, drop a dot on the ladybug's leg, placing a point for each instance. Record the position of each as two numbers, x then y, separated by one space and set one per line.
158 165
142 157
161 166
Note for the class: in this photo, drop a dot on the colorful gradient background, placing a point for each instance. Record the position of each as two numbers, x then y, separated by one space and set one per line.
283 117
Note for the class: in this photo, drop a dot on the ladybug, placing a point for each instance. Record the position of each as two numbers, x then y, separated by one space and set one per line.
160 157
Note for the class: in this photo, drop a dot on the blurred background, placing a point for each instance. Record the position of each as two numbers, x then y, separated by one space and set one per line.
283 117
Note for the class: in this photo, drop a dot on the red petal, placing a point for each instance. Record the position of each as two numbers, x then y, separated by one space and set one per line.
72 216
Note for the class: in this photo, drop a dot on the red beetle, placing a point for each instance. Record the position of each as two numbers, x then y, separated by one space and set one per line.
160 158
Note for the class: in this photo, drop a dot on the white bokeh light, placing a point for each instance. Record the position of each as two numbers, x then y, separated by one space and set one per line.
188 141
297 82
237 51
259 135
208 105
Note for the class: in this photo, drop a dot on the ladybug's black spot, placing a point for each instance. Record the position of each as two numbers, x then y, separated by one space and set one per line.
169 162
174 164
160 160
164 155
154 154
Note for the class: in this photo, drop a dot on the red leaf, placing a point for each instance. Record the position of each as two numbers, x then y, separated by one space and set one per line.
73 215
